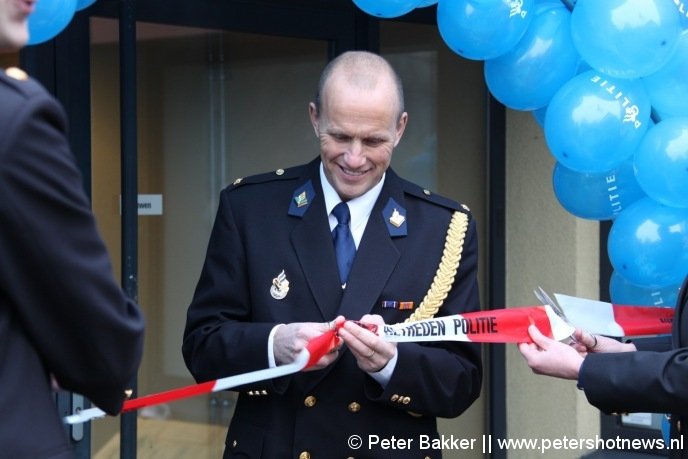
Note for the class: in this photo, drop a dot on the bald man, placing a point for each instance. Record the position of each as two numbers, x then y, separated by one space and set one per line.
274 278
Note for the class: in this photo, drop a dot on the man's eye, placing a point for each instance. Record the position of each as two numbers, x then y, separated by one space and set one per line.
340 137
374 142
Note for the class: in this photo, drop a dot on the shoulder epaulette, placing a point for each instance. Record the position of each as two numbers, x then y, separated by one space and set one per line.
21 84
427 195
279 174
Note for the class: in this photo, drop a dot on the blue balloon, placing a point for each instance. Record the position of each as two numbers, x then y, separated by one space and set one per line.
648 243
596 196
386 8
661 162
49 18
483 29
82 4
666 430
527 76
625 38
668 87
627 293
682 8
594 122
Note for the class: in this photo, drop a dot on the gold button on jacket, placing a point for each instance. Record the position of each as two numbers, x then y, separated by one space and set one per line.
354 407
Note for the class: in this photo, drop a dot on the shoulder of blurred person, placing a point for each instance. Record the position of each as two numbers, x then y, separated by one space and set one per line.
62 313
21 95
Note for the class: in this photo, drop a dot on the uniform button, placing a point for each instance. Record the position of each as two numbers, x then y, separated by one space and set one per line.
234 444
16 73
354 407
427 192
305 455
406 400
310 401
394 398
279 171
237 181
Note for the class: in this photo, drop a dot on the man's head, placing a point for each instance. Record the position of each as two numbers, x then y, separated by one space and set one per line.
14 31
359 117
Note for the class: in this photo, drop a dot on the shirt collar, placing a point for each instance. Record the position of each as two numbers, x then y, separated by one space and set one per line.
360 207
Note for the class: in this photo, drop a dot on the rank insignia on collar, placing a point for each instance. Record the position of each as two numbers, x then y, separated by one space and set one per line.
301 199
397 219
280 286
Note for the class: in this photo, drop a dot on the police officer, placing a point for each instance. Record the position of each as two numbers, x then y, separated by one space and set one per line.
274 278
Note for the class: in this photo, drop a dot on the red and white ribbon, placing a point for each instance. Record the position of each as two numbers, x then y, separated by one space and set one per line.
315 349
492 326
614 319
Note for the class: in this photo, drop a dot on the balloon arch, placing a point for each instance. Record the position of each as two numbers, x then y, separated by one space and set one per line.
607 83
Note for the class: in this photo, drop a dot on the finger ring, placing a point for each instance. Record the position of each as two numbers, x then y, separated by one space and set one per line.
371 354
594 345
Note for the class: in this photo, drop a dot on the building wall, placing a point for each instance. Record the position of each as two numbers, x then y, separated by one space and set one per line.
548 247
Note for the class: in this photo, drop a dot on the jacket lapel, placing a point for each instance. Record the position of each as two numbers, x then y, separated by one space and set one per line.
312 243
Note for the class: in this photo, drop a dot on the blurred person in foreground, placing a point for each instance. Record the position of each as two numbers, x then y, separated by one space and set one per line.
646 375
64 320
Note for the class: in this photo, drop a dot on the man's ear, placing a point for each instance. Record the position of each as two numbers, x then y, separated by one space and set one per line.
401 127
315 119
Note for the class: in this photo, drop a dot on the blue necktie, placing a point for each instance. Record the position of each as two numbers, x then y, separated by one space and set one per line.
344 245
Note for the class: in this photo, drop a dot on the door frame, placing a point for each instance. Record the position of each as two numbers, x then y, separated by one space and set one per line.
63 66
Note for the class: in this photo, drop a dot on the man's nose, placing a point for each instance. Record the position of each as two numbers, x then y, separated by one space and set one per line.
355 157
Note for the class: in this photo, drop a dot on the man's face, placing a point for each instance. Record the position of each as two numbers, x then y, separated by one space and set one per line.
13 23
358 130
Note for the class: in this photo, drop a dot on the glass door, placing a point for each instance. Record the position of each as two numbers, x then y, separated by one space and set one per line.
211 106
215 105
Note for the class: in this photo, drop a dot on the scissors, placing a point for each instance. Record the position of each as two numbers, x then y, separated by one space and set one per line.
542 295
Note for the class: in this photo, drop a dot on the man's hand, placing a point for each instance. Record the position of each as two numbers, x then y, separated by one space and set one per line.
291 339
598 343
546 356
372 353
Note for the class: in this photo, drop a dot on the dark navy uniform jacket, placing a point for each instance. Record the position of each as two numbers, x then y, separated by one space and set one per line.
61 310
259 232
653 379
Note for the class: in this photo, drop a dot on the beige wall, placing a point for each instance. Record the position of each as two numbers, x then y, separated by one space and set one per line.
549 247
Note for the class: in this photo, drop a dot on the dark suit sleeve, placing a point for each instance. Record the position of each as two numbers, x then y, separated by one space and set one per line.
656 343
219 339
55 269
442 379
642 381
